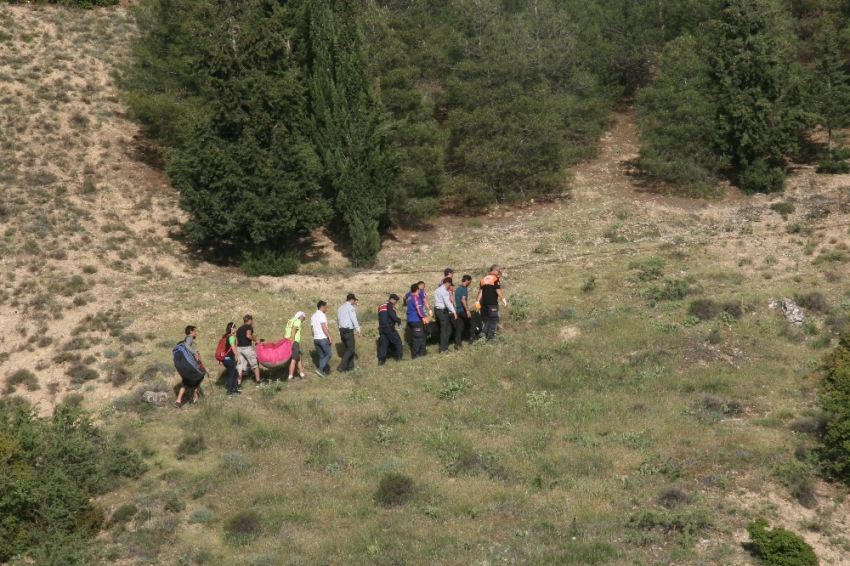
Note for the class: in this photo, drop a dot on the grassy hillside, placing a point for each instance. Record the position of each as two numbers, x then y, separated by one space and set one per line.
616 421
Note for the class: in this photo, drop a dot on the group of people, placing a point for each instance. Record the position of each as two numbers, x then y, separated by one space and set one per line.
452 306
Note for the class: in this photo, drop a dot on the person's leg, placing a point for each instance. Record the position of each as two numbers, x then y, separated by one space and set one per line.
230 365
324 349
292 365
347 361
383 344
442 320
459 325
179 402
398 347
418 339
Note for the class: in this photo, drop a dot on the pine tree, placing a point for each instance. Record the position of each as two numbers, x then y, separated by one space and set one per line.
760 112
830 90
349 123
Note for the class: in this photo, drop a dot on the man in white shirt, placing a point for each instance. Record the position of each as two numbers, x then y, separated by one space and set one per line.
322 337
347 319
446 313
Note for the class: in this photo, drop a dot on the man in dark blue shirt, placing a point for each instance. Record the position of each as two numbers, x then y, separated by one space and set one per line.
464 312
387 322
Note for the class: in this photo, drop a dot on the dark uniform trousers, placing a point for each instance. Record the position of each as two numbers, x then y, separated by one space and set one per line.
389 336
445 317
418 348
463 323
347 361
490 318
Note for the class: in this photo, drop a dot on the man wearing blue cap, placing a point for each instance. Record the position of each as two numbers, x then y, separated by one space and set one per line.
388 320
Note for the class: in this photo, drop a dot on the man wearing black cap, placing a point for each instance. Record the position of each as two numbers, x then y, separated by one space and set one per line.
387 320
346 317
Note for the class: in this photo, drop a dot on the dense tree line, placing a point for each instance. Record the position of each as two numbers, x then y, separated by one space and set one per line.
279 116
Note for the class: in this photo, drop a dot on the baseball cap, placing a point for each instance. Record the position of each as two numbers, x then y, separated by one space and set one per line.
299 314
394 297
351 297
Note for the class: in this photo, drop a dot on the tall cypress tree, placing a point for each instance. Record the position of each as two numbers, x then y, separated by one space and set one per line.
349 123
830 90
760 111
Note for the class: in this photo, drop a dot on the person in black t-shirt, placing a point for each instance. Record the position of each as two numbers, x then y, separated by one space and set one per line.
489 294
245 340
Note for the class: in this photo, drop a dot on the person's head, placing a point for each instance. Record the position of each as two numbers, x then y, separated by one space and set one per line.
191 330
420 285
351 298
447 282
448 272
300 314
231 328
466 280
414 287
496 269
322 306
393 298
248 319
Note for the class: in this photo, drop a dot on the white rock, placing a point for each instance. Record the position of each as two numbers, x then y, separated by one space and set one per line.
155 397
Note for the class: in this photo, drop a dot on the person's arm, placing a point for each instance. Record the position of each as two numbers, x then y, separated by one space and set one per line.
465 306
418 306
393 316
290 332
449 304
327 332
249 334
354 320
480 292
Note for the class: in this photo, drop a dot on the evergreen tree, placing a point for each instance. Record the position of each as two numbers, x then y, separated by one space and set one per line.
350 125
759 102
677 116
830 91
234 96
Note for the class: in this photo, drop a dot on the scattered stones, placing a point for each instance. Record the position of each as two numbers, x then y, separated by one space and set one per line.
158 398
790 310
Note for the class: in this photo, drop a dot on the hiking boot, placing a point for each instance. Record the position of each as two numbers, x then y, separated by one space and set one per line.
320 373
260 383
178 405
381 362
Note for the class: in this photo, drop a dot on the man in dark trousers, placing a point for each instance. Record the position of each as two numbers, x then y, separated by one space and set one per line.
415 314
489 294
387 321
464 312
347 319
446 313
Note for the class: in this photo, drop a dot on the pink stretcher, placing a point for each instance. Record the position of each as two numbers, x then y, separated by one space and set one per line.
274 354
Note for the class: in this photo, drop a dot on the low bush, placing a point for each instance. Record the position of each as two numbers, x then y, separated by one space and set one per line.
814 302
69 461
269 262
394 490
21 377
780 547
201 515
762 177
124 513
783 208
243 527
191 445
649 269
707 309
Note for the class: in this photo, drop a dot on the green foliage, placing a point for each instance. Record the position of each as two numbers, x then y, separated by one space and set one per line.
677 117
234 118
69 3
269 262
124 513
21 377
53 467
685 523
191 445
243 527
780 547
829 92
394 490
349 122
834 397
834 161
589 284
762 177
649 269
201 515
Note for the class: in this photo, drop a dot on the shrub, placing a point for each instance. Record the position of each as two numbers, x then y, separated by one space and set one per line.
669 290
21 377
191 445
269 262
783 208
707 309
79 373
394 490
780 547
762 177
834 396
201 515
519 307
814 302
68 460
124 513
243 527
119 375
649 269
589 284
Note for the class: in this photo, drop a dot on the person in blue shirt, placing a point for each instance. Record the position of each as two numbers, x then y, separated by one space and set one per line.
415 314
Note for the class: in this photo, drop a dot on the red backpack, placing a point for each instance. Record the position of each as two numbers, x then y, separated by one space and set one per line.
223 349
